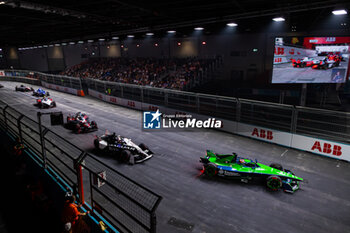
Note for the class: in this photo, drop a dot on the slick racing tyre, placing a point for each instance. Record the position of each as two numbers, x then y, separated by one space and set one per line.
125 156
276 166
93 124
210 170
78 128
96 144
273 183
54 104
143 146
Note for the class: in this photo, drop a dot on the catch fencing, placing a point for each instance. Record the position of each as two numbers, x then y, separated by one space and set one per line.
125 205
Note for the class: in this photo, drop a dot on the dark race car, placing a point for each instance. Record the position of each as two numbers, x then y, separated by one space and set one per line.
24 88
245 170
80 123
123 148
40 93
45 102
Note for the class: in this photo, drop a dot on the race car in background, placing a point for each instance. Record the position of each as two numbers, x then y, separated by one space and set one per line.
123 148
40 93
45 102
335 57
80 123
245 170
304 62
24 88
325 64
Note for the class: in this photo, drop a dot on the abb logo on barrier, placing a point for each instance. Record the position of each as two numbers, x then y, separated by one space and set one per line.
278 59
267 134
152 108
279 51
131 104
327 148
113 100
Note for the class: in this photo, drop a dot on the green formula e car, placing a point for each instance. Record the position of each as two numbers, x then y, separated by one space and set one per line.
232 166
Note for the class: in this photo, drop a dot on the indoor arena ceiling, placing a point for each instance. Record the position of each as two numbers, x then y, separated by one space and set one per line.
39 21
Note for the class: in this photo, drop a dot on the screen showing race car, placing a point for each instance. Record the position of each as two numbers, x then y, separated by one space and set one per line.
311 60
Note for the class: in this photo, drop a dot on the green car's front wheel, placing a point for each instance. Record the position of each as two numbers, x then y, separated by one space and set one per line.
210 170
274 183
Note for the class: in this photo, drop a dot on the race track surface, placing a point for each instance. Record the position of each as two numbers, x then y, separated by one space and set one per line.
212 205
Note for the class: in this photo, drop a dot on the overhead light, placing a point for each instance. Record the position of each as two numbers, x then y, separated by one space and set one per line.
40 46
339 12
137 45
149 34
171 31
90 41
45 46
278 19
35 47
232 24
51 45
63 43
2 3
72 42
80 42
178 43
115 38
57 45
130 36
101 39
204 43
198 28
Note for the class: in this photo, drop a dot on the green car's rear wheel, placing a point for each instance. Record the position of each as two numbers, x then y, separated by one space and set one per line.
210 170
277 166
274 183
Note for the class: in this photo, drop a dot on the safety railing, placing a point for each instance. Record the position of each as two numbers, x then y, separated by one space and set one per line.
126 205
34 77
326 124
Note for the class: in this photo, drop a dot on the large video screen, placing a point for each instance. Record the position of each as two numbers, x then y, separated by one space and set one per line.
311 60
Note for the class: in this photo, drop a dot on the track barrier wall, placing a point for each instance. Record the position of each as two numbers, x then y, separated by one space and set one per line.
319 131
124 205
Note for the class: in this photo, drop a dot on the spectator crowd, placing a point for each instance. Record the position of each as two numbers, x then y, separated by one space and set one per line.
173 73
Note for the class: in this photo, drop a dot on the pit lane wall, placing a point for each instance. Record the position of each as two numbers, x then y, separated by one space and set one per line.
314 145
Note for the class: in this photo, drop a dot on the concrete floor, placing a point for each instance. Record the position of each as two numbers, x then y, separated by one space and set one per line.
286 73
213 205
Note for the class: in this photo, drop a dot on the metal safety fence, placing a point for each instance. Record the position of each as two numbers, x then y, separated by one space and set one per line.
126 205
325 124
35 78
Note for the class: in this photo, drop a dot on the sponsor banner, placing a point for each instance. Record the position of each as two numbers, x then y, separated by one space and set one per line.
2 73
309 41
323 147
60 88
264 134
